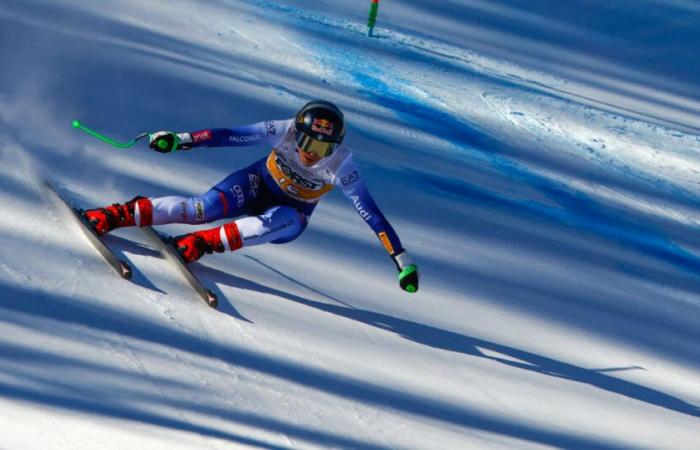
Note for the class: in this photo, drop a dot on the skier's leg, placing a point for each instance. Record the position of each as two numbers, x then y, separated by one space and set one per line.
191 210
277 225
229 198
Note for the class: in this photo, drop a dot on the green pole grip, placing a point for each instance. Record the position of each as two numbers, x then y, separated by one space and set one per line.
103 138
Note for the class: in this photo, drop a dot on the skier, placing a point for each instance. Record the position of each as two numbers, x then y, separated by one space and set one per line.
273 198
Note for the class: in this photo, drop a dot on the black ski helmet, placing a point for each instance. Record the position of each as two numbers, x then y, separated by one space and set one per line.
319 127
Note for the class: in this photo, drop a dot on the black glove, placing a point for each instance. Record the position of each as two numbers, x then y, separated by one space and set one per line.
167 141
408 272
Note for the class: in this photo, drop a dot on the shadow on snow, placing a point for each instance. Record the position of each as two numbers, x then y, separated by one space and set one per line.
70 311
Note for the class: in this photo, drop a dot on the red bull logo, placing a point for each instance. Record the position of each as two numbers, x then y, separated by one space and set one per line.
322 126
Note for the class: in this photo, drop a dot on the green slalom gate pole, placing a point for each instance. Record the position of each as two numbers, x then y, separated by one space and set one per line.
103 138
373 10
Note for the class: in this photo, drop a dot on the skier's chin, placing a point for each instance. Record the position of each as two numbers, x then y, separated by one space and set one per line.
306 160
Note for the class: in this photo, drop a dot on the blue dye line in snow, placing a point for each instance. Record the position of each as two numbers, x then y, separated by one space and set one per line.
576 209
304 17
341 31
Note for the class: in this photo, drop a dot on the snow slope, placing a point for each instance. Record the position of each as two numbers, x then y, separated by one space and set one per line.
539 160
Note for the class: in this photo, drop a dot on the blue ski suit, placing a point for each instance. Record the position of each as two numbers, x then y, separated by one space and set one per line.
273 198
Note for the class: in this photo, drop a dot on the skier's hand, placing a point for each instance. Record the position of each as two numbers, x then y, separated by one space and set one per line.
167 141
408 272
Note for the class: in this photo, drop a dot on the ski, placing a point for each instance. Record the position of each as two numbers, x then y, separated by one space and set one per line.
121 267
166 246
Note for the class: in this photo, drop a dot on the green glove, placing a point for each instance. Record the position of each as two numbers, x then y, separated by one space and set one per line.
165 141
408 272
408 279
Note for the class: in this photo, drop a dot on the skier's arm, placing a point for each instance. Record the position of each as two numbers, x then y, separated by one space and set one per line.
356 191
260 133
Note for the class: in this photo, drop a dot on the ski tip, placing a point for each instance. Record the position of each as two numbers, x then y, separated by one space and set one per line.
50 186
211 299
126 272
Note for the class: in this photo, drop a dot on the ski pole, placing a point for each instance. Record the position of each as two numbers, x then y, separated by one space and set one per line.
103 138
372 17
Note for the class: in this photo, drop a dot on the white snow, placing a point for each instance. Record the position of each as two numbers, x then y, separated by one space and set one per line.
539 159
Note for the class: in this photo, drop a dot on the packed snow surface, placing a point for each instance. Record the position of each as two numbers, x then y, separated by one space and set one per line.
540 161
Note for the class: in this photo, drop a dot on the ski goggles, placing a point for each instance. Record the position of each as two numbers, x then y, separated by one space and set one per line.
310 145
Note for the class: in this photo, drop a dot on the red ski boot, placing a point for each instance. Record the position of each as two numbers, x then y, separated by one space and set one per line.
138 211
194 245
